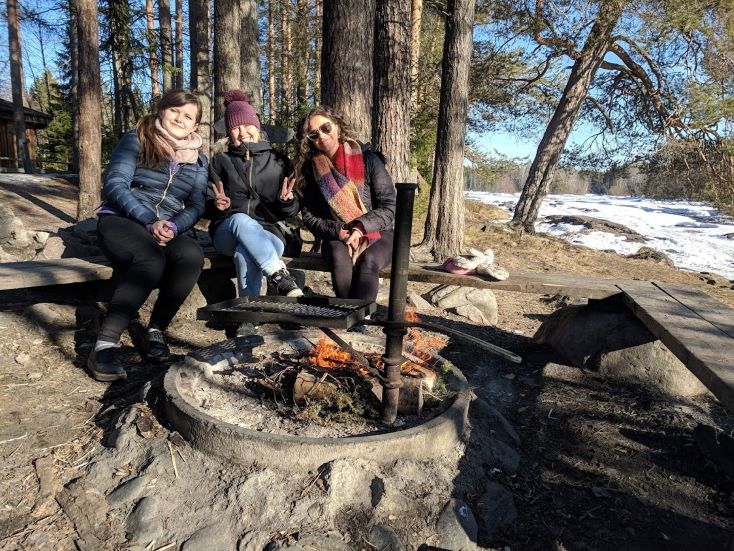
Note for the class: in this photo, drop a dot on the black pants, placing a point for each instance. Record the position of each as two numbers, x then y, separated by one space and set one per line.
361 280
141 265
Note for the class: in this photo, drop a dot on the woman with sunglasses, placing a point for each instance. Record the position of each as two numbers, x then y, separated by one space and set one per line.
347 200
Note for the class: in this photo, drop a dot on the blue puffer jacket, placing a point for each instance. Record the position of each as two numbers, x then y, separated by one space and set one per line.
150 194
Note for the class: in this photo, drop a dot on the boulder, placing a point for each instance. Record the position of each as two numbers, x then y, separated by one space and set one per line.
477 305
611 340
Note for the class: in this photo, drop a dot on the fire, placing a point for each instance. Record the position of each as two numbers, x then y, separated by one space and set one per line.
328 356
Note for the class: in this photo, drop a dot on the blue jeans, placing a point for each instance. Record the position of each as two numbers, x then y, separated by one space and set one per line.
255 251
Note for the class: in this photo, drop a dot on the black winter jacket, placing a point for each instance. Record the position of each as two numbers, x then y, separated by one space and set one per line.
263 169
147 195
378 196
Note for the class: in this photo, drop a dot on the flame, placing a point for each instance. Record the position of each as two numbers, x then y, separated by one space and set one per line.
329 356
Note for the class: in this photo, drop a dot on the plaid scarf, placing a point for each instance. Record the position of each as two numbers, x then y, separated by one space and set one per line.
340 184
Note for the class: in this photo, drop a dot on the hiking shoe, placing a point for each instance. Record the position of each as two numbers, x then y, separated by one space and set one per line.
106 366
155 346
286 286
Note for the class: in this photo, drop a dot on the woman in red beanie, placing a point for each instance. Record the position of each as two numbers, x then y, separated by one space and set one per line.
249 194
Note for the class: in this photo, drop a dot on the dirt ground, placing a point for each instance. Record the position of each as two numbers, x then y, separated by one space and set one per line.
602 465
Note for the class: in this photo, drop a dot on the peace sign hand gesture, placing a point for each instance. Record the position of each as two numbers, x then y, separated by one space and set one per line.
286 189
220 198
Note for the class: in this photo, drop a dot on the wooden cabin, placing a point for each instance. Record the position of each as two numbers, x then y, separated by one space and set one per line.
34 120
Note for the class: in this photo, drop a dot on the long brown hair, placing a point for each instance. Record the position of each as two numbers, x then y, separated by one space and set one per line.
306 148
153 150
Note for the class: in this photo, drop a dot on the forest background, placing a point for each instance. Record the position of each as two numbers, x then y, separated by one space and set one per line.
649 83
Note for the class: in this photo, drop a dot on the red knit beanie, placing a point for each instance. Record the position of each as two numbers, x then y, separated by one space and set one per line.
238 111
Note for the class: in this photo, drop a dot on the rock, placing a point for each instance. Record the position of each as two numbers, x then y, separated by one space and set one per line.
472 313
483 413
456 527
497 454
377 489
421 305
87 509
215 537
478 305
142 523
612 341
127 491
348 484
24 358
384 538
12 230
648 253
496 508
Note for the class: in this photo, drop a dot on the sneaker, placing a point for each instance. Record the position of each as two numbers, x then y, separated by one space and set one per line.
155 346
105 365
246 329
285 284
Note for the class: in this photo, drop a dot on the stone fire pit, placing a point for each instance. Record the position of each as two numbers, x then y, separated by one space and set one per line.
205 404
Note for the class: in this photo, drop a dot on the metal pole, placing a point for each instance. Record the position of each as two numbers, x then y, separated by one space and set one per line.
393 357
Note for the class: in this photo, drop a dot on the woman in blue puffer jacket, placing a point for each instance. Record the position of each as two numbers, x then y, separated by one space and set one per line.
154 192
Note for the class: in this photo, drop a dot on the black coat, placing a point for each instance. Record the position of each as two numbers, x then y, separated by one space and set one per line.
240 170
378 196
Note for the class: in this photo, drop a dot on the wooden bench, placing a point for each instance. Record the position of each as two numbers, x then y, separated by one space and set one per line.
698 329
41 273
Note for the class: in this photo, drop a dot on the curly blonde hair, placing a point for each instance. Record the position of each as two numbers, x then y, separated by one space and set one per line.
306 148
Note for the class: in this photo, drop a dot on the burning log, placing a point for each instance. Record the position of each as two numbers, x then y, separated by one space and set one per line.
307 385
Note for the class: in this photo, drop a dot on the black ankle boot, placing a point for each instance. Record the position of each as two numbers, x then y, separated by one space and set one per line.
105 365
155 346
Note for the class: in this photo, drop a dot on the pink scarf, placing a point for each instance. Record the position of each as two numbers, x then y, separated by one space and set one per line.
181 151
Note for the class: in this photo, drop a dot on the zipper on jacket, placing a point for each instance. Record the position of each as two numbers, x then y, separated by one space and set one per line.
171 174
248 157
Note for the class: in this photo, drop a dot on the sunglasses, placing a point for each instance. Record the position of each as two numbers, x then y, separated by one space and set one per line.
324 129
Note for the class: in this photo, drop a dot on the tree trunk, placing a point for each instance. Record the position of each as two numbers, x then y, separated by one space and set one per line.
250 54
556 134
318 18
415 48
286 70
199 11
122 64
346 61
391 123
444 228
226 51
178 74
152 49
302 51
74 88
16 78
164 18
271 62
90 116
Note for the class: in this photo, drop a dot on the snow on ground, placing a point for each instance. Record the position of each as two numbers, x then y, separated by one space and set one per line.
692 235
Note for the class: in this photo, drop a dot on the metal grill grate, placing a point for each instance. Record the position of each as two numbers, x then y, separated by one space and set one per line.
308 311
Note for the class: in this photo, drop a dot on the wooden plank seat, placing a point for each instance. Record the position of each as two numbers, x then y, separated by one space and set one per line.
695 327
40 273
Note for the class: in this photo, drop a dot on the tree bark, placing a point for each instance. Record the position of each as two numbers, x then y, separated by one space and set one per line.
74 88
164 18
178 74
90 116
415 48
346 60
122 63
302 51
16 78
271 62
444 228
391 122
199 81
556 134
250 54
318 18
286 69
226 67
152 49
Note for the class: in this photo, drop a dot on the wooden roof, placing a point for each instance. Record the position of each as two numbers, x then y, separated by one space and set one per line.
33 118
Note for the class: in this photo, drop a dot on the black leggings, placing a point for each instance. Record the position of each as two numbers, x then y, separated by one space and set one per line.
360 281
141 265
